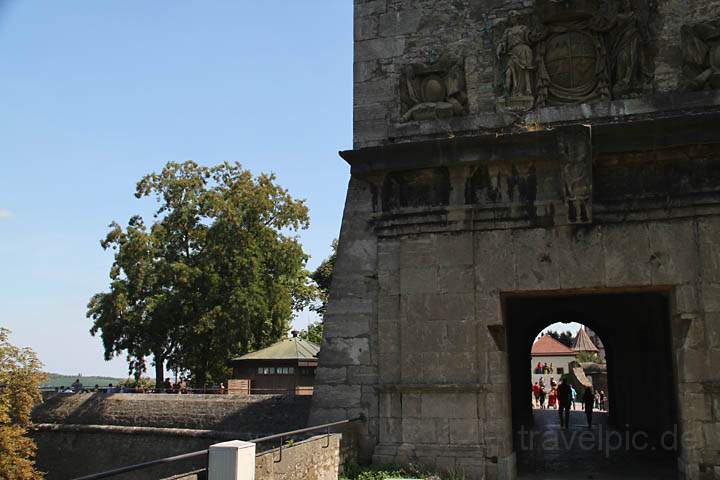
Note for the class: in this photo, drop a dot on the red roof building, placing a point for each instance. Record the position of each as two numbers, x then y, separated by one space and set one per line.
547 346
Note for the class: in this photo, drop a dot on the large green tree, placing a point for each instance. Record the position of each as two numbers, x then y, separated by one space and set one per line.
20 379
218 273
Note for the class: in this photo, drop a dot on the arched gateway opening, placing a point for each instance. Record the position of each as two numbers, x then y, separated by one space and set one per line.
639 430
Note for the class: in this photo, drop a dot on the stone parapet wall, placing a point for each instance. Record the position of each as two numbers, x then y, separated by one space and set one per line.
254 415
73 451
317 458
69 451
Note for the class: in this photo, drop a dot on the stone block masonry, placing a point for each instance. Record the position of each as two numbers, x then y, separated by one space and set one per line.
507 149
64 452
392 34
256 414
82 434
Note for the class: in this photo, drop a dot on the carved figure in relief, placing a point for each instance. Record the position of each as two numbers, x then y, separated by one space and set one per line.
577 51
701 55
514 49
575 149
629 59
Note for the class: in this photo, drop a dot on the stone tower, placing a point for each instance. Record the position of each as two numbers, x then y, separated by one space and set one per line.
517 163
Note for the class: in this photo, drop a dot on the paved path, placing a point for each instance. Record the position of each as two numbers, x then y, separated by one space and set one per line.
550 453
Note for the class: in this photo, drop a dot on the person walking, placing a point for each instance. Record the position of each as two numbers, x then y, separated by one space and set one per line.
573 392
564 394
536 394
543 393
589 402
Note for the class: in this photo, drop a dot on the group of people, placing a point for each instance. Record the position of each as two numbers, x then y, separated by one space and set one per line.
182 386
541 394
544 368
563 396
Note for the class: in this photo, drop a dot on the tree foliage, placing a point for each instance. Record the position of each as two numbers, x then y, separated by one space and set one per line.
588 357
322 276
217 274
313 333
20 380
566 338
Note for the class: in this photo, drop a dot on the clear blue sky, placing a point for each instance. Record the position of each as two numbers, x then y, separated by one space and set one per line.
96 94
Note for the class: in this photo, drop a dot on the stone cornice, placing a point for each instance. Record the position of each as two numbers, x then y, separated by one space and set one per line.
616 135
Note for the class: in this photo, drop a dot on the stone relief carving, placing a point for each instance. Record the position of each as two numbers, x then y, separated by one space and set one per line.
632 68
701 55
435 89
575 52
577 175
516 55
416 188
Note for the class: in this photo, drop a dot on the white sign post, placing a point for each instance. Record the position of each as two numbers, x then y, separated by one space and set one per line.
233 460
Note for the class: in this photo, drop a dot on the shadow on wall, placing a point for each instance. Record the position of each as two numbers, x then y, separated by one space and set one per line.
69 447
255 415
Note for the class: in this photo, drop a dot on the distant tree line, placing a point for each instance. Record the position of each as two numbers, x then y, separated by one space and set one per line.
566 338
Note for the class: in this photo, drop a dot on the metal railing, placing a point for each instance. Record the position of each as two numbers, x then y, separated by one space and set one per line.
200 453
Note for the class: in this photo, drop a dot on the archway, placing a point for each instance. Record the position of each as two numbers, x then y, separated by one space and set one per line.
635 329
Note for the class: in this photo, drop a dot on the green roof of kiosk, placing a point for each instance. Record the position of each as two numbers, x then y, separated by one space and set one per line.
294 348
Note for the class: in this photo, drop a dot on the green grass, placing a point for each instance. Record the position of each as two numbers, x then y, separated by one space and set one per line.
58 380
386 472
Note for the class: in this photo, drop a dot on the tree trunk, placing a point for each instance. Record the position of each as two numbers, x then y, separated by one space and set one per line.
159 372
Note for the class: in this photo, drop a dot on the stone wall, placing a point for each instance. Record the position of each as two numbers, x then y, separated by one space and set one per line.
317 458
391 35
506 149
436 235
89 433
63 452
70 452
255 414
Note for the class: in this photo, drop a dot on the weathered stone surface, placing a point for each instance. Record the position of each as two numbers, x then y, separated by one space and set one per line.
627 255
345 351
347 326
580 258
534 267
672 262
494 261
610 199
329 396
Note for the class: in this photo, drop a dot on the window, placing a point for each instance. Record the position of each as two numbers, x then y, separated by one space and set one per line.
560 370
266 370
285 370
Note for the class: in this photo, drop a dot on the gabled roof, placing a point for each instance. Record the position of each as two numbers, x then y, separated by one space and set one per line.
548 346
294 348
583 343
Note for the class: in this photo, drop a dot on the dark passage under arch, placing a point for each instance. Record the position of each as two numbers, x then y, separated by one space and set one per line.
635 328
